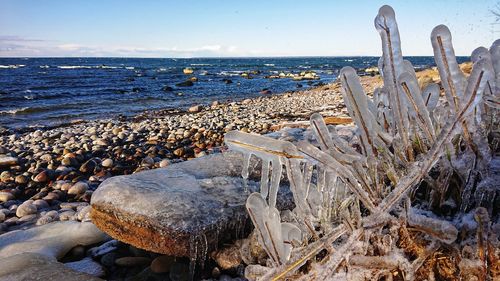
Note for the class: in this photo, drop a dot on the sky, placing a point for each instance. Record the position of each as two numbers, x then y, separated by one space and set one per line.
223 28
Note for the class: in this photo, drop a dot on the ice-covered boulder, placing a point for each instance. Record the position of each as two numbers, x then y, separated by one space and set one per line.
184 209
32 266
51 240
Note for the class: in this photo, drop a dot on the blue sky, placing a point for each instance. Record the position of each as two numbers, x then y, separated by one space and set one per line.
151 28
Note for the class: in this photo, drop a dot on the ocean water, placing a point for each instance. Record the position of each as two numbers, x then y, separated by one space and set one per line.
53 91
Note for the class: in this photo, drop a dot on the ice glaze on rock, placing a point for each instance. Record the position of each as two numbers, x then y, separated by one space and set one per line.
184 209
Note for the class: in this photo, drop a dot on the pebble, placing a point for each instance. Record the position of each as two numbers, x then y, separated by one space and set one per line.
88 266
84 214
41 204
8 161
162 264
21 179
78 188
41 177
164 163
132 261
26 208
195 108
179 271
45 220
6 196
67 215
228 257
104 249
5 176
107 163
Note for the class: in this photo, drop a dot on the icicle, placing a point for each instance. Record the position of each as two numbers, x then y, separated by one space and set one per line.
331 163
482 72
338 256
245 170
343 153
291 235
357 105
452 78
262 147
264 180
275 237
416 106
410 69
430 96
266 220
420 169
298 188
277 169
495 58
479 53
385 23
442 230
246 165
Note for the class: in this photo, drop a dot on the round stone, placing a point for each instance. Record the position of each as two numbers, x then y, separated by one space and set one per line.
78 188
162 264
26 208
132 261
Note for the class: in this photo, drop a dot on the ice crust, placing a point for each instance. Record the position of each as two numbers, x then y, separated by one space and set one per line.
404 132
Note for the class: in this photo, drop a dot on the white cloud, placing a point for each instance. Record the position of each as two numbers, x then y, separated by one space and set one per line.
69 47
14 46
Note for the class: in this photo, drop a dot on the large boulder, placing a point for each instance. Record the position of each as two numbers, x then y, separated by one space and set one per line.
184 209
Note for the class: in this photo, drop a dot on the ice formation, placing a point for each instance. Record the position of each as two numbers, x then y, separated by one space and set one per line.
392 207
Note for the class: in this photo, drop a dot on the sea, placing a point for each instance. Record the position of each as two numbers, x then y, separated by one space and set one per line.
45 92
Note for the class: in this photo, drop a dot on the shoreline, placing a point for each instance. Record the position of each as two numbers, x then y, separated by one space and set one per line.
50 175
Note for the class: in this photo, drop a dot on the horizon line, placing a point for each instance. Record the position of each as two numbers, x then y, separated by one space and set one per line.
210 57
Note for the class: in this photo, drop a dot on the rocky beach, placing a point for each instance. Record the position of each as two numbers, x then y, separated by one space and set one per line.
49 176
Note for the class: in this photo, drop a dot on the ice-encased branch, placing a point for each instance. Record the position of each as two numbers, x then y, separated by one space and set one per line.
393 66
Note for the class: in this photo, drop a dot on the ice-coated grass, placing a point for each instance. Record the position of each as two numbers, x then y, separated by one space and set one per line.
361 202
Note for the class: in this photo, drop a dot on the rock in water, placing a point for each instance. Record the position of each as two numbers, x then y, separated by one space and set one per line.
52 240
171 210
31 266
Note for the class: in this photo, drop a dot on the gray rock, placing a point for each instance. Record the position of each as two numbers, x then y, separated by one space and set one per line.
162 264
132 261
78 188
33 266
170 210
26 208
107 163
52 240
7 161
6 196
88 266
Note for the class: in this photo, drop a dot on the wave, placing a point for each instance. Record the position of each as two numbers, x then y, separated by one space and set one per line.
44 66
230 73
269 64
13 111
129 67
73 66
12 66
87 67
200 64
